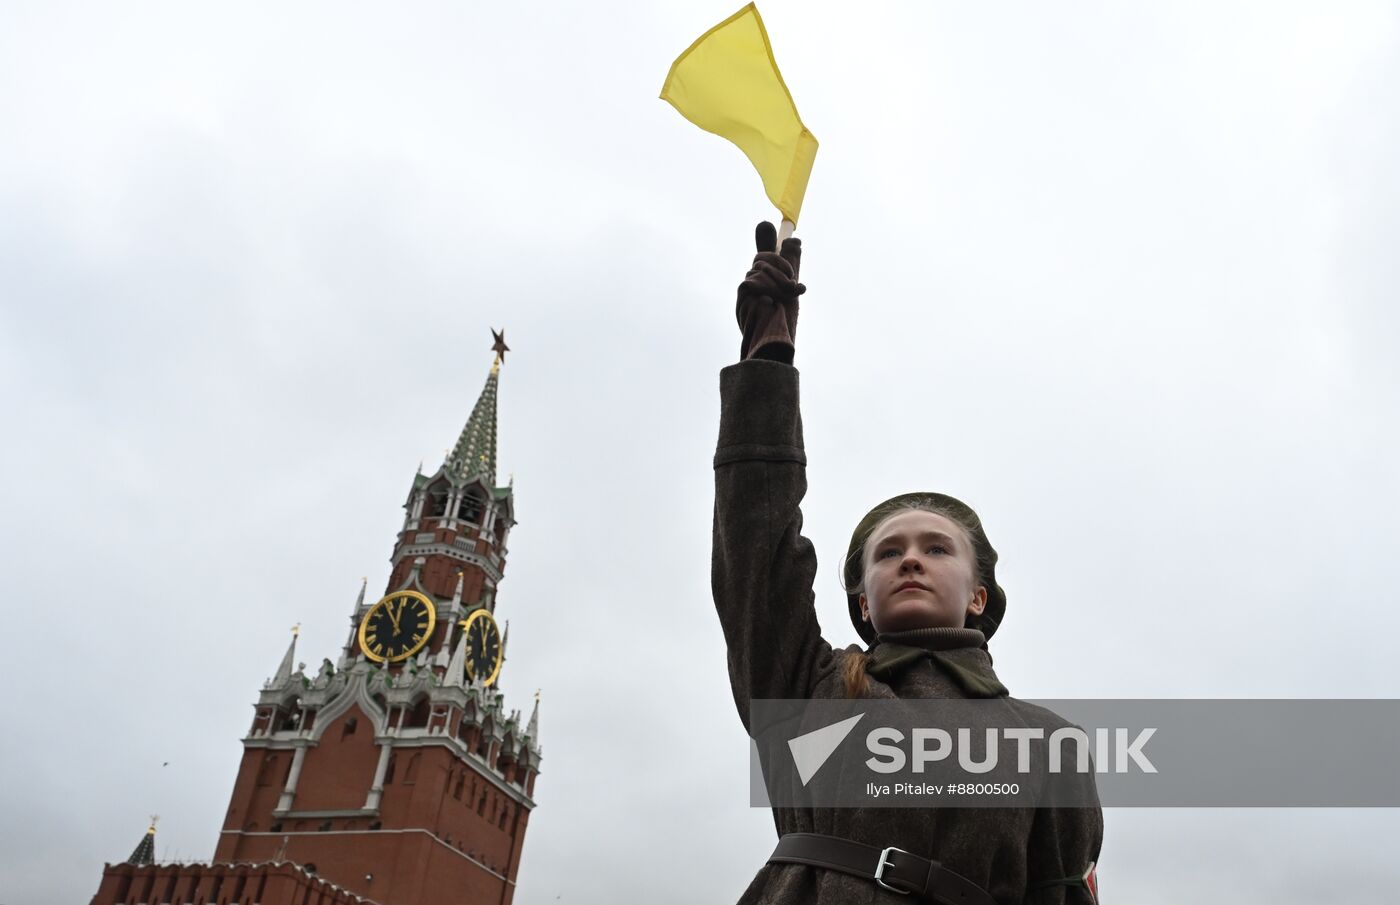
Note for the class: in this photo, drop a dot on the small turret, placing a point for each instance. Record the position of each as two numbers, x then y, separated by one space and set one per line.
457 667
145 851
532 731
284 671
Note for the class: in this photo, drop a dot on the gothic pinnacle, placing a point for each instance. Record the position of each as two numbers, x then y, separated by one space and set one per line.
532 732
284 671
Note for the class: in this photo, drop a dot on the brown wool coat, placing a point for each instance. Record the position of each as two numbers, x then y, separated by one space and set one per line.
763 571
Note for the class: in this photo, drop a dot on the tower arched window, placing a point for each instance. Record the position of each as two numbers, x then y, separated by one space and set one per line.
417 716
288 717
470 508
435 500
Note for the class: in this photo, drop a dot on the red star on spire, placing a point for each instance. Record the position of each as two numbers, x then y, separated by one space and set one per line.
500 348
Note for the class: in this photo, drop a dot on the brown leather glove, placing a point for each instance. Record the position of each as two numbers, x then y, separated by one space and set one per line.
767 304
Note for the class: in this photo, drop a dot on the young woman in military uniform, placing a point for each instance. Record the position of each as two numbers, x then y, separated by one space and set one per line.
921 585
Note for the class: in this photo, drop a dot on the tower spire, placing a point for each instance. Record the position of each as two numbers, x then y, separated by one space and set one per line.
145 851
475 452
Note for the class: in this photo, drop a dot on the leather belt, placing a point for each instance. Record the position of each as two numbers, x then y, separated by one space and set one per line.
893 868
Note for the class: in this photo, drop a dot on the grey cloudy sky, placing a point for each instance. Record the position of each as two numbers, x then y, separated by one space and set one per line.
1122 277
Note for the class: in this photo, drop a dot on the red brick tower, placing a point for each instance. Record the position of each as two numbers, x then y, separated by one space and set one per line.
395 775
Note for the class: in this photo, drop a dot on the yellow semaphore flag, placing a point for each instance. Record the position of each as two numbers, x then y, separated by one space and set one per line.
728 83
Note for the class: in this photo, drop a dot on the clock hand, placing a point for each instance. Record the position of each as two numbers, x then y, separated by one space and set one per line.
394 616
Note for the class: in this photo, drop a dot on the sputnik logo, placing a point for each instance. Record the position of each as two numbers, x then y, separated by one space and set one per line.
812 749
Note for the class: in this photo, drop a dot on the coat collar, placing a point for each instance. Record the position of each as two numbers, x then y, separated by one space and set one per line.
960 652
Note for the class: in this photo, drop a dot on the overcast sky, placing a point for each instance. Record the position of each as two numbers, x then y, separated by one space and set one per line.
1122 277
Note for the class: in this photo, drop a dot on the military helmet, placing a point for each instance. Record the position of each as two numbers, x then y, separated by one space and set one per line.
951 508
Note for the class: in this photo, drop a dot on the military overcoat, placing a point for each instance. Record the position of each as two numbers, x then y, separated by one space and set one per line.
763 571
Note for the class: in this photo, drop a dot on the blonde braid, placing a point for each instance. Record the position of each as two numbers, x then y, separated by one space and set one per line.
854 674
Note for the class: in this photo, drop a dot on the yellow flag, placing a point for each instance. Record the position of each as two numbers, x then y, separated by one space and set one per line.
728 83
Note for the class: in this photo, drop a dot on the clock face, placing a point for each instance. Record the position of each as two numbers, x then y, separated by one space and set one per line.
483 647
397 627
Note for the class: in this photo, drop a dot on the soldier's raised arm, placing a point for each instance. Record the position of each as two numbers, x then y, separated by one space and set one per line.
762 568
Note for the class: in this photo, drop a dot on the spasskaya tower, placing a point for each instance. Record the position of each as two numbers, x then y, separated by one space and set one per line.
395 774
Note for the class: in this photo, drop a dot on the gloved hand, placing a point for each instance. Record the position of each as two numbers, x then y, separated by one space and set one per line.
767 304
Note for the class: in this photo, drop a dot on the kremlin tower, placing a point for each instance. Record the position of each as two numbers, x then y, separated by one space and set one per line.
394 774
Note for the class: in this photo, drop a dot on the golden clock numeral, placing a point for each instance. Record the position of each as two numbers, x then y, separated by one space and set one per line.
417 638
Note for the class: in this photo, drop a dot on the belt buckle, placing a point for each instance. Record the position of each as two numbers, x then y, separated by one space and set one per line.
884 863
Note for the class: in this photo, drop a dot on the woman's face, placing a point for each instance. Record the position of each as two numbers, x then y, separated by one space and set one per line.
920 572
